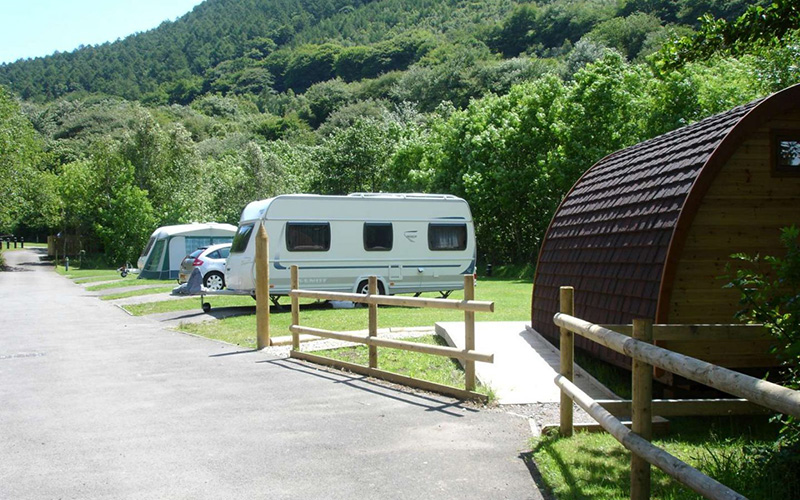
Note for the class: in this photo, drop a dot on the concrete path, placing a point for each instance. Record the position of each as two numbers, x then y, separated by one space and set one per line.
99 404
525 364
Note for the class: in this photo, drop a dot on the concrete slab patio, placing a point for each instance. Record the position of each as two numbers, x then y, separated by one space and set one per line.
525 364
100 404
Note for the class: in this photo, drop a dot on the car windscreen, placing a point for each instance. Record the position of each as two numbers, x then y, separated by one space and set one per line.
196 253
242 238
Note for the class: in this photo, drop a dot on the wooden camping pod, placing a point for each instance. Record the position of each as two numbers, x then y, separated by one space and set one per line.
647 231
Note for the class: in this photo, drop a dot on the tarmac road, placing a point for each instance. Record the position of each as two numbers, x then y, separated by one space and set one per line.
98 404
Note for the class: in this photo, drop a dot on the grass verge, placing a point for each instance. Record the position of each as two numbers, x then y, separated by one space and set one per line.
190 303
729 449
437 369
136 293
130 281
77 273
509 297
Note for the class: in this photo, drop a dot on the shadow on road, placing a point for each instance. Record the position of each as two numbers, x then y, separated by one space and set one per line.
452 408
536 475
247 351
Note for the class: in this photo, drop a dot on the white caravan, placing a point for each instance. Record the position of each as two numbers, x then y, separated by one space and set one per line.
413 243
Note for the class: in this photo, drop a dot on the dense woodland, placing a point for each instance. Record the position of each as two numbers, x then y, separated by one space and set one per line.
501 102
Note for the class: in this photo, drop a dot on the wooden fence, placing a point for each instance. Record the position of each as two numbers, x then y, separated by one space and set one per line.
645 357
468 355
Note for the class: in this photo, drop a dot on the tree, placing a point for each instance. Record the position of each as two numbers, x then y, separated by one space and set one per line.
756 27
626 34
124 217
23 192
353 159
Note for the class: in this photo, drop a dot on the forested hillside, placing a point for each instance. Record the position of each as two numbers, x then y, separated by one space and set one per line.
501 102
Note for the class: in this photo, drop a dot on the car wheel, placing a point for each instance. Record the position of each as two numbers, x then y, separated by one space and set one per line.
214 281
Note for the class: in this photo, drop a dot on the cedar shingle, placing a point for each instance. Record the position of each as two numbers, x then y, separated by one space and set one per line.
609 238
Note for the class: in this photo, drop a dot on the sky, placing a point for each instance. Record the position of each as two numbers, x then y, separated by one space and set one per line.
32 28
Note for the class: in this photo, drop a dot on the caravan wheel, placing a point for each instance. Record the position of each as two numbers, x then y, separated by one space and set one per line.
363 288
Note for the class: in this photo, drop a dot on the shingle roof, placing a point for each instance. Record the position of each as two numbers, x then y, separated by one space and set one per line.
610 237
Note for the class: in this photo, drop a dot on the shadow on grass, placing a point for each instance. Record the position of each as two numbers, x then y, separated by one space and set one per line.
442 404
595 464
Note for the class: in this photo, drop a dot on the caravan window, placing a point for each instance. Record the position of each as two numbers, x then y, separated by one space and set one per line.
155 256
308 236
148 246
378 236
447 236
242 238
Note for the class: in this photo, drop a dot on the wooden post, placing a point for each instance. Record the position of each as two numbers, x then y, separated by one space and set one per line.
641 411
469 333
295 285
373 322
567 349
262 288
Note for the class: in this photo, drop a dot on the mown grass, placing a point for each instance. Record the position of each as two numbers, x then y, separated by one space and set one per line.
129 281
136 293
437 369
78 273
512 303
729 449
190 303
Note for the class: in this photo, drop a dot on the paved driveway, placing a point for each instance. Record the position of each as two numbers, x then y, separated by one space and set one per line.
98 404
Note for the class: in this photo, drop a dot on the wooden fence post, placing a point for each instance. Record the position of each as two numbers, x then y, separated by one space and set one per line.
469 333
567 350
262 288
295 284
373 322
641 411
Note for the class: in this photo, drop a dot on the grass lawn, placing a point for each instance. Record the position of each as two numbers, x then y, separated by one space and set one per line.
77 273
136 293
437 369
191 303
511 297
130 280
594 465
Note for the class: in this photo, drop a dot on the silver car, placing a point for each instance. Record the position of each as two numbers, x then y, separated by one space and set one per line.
211 263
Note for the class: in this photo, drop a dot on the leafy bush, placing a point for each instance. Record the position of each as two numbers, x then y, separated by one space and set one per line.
770 294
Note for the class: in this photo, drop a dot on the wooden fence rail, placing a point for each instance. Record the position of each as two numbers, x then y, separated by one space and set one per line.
468 355
645 356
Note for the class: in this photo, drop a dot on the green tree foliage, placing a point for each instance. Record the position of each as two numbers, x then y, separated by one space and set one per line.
627 34
310 64
547 25
324 98
362 62
354 159
503 103
770 294
249 174
23 184
757 27
100 200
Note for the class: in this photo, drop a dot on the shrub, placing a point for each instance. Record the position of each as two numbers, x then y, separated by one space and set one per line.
770 294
